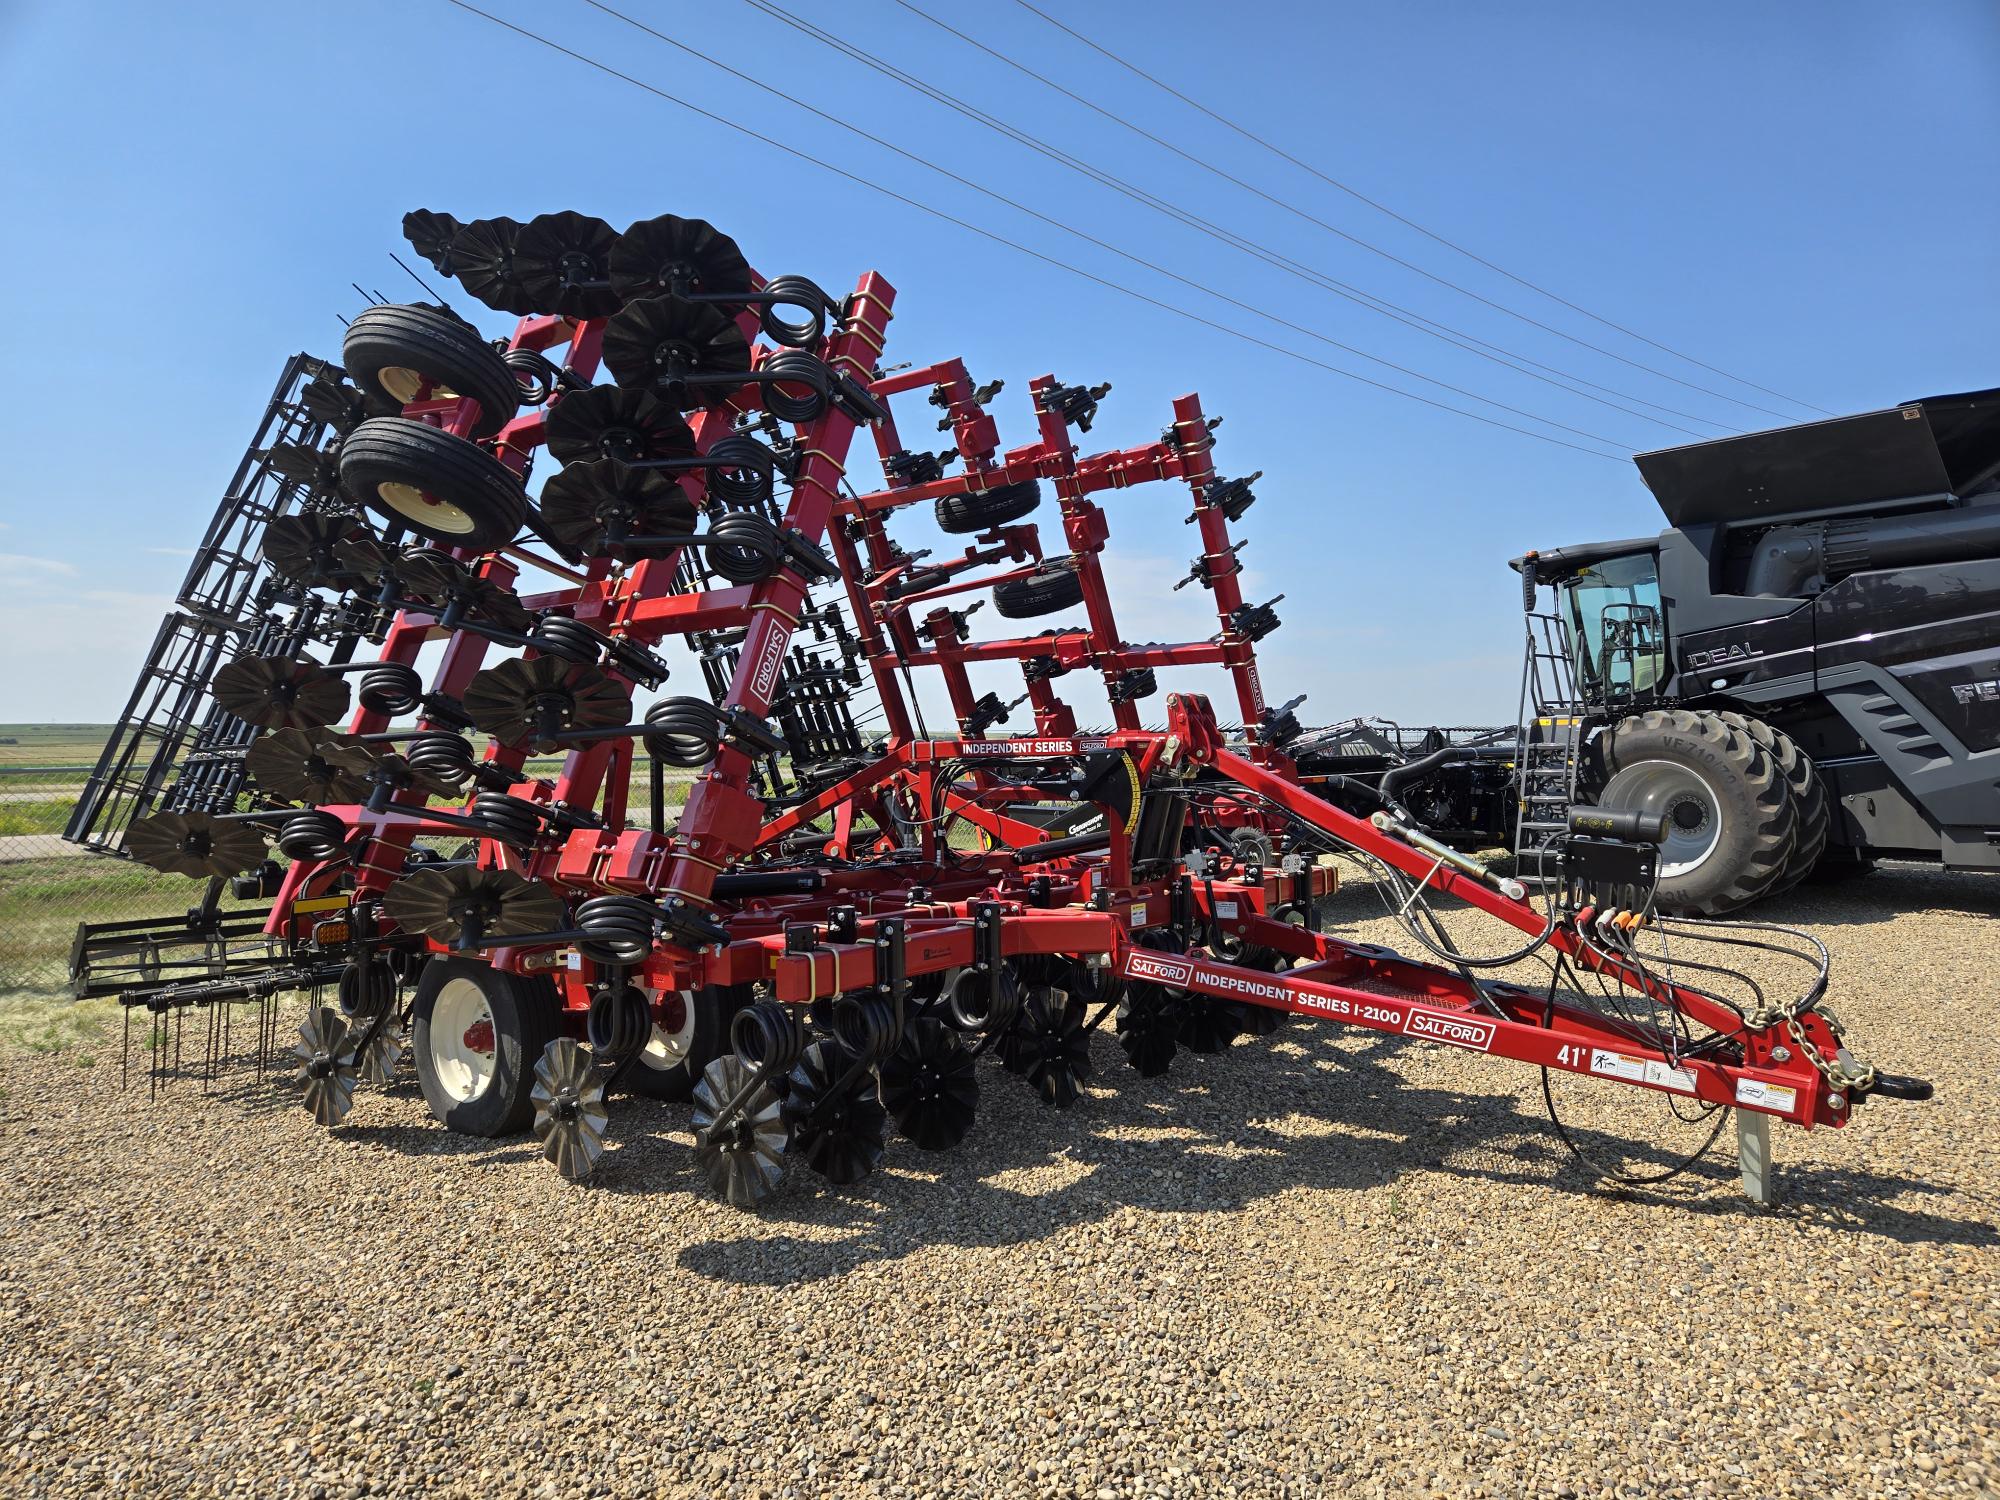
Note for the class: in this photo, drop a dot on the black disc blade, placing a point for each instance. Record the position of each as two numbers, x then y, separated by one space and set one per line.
562 261
743 1156
482 258
430 234
278 692
838 1131
1209 1026
930 1087
673 254
500 903
652 344
612 421
315 468
340 407
1058 1052
292 765
587 503
1149 1024
319 551
194 844
430 573
518 699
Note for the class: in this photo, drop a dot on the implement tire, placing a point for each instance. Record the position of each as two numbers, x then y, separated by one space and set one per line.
961 514
1052 586
477 1034
397 350
441 487
1731 822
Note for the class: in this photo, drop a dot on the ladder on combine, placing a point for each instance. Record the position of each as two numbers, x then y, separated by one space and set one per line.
173 748
1548 736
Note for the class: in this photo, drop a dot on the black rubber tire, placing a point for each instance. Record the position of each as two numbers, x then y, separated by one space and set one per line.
1808 795
713 1007
1052 586
389 349
1758 822
481 501
962 514
526 1018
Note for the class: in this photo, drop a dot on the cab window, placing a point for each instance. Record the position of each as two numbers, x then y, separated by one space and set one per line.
1616 626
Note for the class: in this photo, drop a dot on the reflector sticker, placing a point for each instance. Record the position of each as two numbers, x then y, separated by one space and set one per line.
1779 1098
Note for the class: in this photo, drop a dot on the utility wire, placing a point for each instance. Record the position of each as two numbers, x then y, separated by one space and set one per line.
1185 217
1513 359
1088 238
1431 234
1000 239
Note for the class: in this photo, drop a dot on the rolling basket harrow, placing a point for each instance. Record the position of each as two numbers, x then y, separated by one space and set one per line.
849 911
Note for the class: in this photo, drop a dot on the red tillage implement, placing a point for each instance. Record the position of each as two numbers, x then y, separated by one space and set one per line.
836 925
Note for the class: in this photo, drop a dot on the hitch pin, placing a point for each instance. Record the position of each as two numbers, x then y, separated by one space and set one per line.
1465 864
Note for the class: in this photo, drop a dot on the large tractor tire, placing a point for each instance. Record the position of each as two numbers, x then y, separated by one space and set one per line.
477 1035
1808 795
1731 822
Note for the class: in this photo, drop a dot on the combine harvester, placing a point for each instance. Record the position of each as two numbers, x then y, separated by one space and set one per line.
823 941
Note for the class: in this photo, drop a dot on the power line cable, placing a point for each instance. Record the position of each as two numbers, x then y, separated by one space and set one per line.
1000 239
1513 359
1091 239
1431 234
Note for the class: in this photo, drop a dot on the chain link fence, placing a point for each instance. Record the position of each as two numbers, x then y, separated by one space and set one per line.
48 886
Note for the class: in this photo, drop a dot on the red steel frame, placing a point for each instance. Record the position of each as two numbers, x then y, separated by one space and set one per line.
1087 906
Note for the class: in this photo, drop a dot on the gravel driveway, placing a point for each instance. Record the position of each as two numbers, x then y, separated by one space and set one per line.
1328 1262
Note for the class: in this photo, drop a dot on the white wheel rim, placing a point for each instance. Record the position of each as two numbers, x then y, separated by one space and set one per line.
1684 798
669 1046
413 504
406 384
464 1050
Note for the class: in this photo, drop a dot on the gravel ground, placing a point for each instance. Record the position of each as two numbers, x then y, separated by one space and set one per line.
1326 1262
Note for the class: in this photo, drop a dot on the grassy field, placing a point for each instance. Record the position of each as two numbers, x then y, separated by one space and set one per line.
52 744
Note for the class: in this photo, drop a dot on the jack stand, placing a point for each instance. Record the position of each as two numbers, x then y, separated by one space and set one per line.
1753 1152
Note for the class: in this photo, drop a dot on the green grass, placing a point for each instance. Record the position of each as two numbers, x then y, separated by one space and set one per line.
48 815
42 900
52 744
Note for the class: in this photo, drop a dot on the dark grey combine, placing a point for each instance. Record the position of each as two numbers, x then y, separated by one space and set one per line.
1802 673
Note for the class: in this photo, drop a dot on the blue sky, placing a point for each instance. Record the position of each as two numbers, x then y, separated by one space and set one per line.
1797 194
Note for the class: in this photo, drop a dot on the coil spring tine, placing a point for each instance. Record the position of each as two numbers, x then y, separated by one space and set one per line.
767 1040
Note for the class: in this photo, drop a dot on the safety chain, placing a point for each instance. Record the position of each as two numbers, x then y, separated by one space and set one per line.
1843 1072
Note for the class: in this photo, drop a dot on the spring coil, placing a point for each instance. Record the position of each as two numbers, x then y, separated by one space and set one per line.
569 640
767 1038
392 688
866 1026
440 755
367 986
969 1007
794 367
682 732
616 929
748 547
620 1022
741 472
514 821
312 835
795 291
541 372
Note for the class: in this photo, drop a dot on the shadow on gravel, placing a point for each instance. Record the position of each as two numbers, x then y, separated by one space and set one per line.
1219 1158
